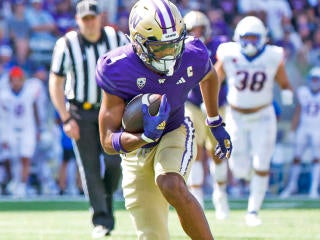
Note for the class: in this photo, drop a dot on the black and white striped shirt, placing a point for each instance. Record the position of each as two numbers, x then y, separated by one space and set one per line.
75 58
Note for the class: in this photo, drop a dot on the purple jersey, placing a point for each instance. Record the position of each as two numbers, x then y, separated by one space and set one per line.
195 96
121 72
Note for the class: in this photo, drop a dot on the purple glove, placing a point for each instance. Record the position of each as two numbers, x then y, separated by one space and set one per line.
224 146
155 125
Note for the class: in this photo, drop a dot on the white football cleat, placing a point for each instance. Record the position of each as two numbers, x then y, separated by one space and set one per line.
221 205
252 219
100 231
21 190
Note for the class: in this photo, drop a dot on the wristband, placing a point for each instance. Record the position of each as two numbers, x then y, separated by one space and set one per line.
286 97
214 121
116 142
146 139
67 120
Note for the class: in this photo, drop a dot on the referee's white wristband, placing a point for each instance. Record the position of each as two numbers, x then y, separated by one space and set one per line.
146 139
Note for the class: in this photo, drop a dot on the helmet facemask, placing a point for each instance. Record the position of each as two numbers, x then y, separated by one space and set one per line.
314 83
251 44
161 56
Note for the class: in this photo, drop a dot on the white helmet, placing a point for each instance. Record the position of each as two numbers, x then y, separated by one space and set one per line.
198 19
157 31
250 26
314 79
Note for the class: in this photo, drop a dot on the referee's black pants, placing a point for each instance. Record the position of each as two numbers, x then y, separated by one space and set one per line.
99 187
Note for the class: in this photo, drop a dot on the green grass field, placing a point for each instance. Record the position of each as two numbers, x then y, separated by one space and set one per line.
70 220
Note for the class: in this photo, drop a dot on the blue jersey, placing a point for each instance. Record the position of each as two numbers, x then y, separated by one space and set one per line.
121 72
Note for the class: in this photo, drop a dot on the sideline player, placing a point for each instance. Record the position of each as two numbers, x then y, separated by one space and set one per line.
305 123
198 25
20 125
157 162
250 67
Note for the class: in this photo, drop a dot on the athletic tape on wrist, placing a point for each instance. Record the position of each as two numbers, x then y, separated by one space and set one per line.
116 142
214 121
146 139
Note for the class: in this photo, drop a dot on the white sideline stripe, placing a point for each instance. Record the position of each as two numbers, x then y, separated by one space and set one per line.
300 201
80 167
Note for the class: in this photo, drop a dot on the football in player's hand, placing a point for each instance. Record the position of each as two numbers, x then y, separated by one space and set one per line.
132 119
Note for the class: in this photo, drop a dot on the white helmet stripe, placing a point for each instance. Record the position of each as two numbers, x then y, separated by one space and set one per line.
165 15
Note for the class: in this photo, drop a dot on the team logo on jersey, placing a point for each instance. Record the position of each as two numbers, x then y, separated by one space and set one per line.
161 80
180 81
141 82
19 110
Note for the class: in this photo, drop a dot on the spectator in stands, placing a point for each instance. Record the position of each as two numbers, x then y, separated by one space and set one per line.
19 32
42 35
252 7
304 28
218 24
183 6
109 10
50 5
5 9
229 8
6 62
313 56
276 11
123 25
294 55
64 16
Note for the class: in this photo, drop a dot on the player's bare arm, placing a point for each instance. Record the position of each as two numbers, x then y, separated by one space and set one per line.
56 89
218 66
282 78
110 116
296 118
210 86
283 81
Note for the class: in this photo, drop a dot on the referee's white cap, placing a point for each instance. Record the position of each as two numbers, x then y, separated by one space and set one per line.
86 8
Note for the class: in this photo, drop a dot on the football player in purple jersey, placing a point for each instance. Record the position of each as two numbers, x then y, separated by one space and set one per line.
156 163
198 25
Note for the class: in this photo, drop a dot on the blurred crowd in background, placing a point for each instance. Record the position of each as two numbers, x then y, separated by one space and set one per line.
29 29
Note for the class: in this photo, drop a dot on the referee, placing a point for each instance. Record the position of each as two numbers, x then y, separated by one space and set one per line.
72 78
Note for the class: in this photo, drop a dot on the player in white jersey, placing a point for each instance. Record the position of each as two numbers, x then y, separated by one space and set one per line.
19 123
250 67
306 123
